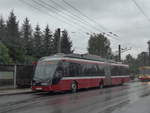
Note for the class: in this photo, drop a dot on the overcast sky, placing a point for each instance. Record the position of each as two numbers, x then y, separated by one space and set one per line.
121 17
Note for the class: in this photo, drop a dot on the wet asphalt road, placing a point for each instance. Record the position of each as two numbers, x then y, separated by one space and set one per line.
105 100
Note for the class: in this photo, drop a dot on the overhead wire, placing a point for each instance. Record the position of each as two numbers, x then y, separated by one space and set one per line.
141 10
111 35
47 13
90 19
108 35
41 5
77 10
75 15
57 11
37 8
49 10
63 16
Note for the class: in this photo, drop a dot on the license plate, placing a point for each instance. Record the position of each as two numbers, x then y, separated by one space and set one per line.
39 88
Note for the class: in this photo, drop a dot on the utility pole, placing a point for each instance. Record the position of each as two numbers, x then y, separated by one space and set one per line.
119 52
149 50
59 41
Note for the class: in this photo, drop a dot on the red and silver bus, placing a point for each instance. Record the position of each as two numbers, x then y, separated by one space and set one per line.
71 72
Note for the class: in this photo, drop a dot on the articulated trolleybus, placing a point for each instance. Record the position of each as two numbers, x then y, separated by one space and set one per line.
72 71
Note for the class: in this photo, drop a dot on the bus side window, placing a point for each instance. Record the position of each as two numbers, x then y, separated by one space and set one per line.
87 69
94 70
74 69
66 69
58 74
84 70
124 71
114 71
60 70
100 70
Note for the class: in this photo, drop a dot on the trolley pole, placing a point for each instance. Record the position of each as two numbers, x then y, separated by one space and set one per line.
59 41
149 51
119 52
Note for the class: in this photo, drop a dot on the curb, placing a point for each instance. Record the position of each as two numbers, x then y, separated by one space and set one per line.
16 93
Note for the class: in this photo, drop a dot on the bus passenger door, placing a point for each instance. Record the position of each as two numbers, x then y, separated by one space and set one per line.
107 80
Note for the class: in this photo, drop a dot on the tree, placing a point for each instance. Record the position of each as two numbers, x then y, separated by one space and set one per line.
143 59
55 41
38 43
2 29
13 35
48 42
129 59
66 44
4 54
26 35
98 44
133 65
13 40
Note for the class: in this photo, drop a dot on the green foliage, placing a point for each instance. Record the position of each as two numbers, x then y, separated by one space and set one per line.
66 44
29 59
23 46
98 44
13 40
48 42
12 31
143 59
55 41
2 29
133 64
37 44
26 37
4 54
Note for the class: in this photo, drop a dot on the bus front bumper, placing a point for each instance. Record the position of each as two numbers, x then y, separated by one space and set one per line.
42 88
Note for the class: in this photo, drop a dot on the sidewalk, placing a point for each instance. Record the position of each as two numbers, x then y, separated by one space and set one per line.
11 91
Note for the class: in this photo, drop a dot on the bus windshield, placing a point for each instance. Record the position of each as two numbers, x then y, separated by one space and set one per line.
45 70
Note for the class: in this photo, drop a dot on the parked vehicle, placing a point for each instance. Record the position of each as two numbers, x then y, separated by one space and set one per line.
144 73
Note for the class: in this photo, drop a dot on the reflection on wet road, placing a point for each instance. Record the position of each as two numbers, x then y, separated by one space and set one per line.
90 101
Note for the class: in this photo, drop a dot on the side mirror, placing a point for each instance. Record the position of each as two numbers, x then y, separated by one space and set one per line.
58 76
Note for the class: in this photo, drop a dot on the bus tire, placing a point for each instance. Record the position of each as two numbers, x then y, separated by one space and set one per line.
74 87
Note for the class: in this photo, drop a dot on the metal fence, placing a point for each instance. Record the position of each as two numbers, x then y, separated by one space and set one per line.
16 75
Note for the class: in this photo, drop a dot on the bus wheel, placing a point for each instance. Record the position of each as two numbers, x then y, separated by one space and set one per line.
74 87
101 85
